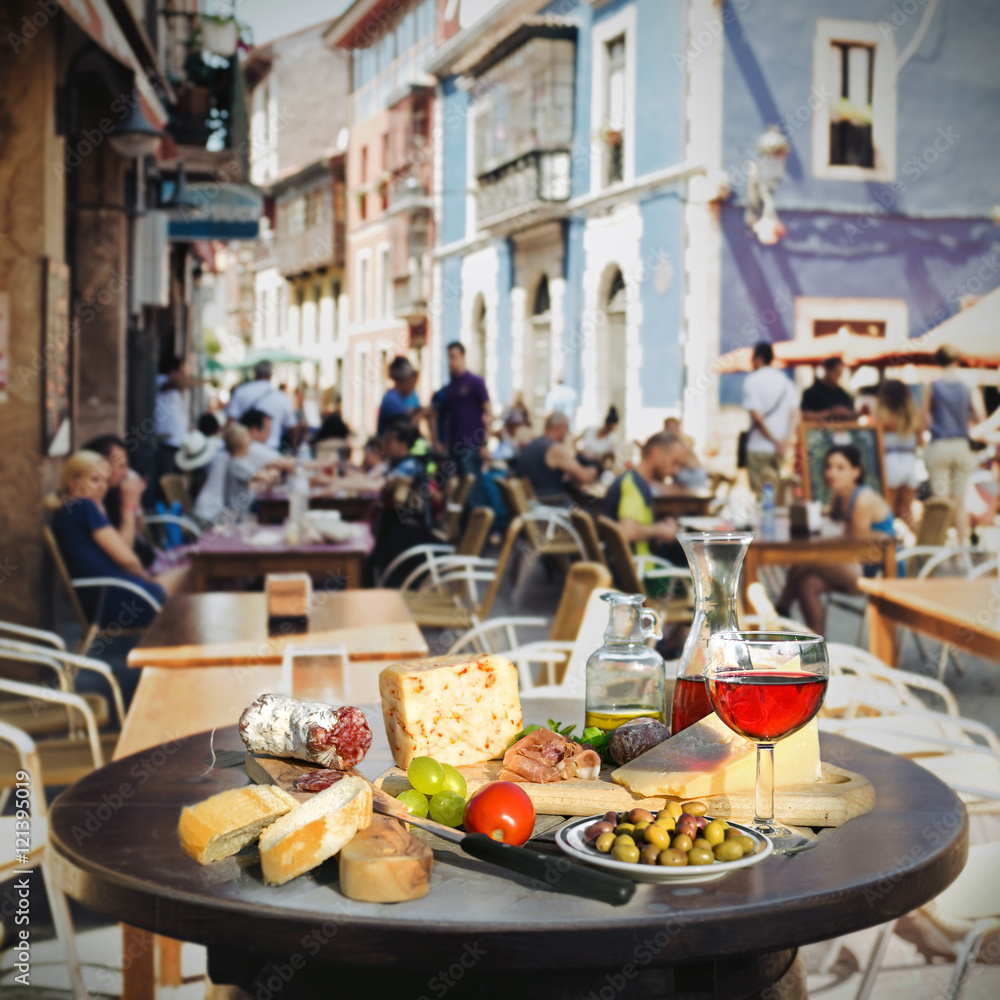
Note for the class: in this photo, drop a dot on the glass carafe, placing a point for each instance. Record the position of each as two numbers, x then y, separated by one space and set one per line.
625 678
716 558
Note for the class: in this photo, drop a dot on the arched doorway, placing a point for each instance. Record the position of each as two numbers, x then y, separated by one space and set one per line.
611 349
477 342
539 353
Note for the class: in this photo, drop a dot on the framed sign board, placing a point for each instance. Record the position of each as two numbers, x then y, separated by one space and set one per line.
815 440
56 374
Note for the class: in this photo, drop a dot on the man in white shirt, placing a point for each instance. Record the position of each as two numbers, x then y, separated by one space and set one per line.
171 417
772 402
261 395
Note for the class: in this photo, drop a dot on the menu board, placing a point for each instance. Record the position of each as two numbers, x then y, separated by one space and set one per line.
815 440
56 380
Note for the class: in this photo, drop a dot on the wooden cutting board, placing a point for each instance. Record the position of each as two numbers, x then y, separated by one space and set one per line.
384 863
840 796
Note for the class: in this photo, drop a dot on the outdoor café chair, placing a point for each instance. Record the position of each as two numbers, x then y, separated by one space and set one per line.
455 504
91 629
500 635
587 530
631 572
430 558
452 600
24 757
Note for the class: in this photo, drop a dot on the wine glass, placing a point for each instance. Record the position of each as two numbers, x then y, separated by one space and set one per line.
766 686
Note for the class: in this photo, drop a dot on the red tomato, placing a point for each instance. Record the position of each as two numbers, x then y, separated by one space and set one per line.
501 810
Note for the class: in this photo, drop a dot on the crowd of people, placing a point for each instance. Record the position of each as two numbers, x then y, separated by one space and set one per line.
229 457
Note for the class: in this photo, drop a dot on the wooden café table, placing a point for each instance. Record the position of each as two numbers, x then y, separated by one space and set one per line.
784 548
965 613
353 496
502 937
231 629
671 500
227 553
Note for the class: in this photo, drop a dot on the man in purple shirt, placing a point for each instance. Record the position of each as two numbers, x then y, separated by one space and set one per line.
465 412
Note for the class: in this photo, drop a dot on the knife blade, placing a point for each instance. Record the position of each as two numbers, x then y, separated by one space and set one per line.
554 873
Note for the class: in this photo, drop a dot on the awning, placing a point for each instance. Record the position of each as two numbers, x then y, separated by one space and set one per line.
96 19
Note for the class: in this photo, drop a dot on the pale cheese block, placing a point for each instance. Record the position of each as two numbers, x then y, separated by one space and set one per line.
455 709
708 758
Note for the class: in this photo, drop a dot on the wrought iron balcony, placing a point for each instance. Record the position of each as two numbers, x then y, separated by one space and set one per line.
522 188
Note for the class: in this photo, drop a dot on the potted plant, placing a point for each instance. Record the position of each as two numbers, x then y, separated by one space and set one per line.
220 34
609 136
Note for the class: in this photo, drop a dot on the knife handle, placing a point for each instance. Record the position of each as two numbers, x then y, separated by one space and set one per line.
555 873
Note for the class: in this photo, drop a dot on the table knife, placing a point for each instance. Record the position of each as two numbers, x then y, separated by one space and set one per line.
554 873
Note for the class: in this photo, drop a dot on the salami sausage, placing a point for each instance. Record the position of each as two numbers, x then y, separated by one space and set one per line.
306 730
316 781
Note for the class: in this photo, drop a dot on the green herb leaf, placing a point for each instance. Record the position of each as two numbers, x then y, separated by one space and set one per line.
520 736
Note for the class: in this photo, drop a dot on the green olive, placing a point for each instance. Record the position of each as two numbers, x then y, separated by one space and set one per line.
725 825
624 838
700 856
674 809
672 857
749 844
728 850
640 826
655 834
715 832
624 828
605 842
682 842
701 843
626 852
649 854
666 822
637 815
695 808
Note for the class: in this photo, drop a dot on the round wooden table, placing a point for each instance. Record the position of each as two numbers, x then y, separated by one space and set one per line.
483 931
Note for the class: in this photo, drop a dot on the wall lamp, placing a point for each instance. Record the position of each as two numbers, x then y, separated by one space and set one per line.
763 177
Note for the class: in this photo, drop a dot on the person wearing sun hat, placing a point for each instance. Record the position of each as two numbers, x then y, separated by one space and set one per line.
195 456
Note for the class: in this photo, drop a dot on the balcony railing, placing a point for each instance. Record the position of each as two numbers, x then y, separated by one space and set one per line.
520 188
321 245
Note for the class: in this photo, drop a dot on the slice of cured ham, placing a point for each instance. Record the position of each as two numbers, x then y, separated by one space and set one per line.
544 756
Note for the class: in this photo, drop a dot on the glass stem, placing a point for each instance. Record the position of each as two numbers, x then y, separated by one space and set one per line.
764 796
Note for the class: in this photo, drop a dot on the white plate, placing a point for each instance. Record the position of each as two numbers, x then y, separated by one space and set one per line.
570 839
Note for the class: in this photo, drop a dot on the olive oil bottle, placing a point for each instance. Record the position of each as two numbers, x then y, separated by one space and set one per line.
626 679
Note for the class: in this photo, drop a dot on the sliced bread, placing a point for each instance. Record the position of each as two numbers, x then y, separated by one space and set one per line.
227 822
316 830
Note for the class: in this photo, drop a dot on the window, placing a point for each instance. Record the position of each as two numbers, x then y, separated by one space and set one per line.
385 282
854 111
849 318
296 216
851 118
364 164
361 289
614 112
613 99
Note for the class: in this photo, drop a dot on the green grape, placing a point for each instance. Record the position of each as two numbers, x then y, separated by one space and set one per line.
453 781
415 802
426 775
447 808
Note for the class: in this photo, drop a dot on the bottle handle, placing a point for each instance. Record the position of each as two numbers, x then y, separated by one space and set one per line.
651 624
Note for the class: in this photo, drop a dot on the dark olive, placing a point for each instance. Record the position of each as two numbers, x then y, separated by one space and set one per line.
649 854
595 830
637 815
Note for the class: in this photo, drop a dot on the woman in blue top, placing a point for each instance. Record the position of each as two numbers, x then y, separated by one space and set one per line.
90 546
866 515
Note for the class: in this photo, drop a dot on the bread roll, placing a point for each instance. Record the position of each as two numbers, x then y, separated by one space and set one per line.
227 822
316 830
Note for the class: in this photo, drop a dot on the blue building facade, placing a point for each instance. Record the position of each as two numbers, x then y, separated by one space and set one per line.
896 241
561 246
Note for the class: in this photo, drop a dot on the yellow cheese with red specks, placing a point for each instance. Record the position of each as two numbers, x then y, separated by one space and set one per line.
708 758
452 708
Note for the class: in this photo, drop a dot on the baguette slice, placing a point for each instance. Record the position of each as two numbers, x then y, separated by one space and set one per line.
227 822
316 830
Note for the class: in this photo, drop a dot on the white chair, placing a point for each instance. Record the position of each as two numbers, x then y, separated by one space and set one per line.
963 918
29 776
190 531
861 684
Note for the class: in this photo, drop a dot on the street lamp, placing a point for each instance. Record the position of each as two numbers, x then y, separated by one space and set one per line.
136 136
764 175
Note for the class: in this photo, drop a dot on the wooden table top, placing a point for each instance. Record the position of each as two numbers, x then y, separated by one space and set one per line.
967 604
872 869
231 629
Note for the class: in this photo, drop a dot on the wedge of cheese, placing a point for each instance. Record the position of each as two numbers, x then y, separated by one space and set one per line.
708 758
455 709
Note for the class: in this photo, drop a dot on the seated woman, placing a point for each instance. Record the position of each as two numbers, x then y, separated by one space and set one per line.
91 546
866 515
